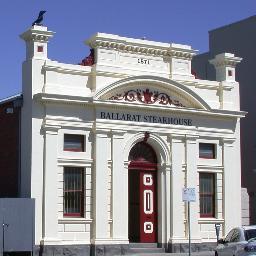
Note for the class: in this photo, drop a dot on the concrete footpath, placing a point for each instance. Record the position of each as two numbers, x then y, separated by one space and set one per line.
206 253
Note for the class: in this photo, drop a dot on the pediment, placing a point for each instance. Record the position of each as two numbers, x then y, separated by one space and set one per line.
142 91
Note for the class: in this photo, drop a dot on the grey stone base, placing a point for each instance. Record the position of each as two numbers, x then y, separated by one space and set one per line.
112 250
195 247
109 250
62 250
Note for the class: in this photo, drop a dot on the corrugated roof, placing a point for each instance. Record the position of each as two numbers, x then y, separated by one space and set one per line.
11 98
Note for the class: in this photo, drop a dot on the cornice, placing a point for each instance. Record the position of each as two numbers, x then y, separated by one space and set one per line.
140 46
225 59
62 99
225 62
50 128
75 161
74 70
85 101
37 34
213 112
212 168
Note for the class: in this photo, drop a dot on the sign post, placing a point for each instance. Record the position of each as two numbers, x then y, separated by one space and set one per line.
189 195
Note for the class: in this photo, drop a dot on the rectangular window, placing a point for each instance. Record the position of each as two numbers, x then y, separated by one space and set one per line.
207 194
74 142
207 150
73 192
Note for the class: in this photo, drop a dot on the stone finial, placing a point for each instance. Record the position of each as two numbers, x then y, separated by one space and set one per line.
225 64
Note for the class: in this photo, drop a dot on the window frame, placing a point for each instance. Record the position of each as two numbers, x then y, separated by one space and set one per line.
212 195
214 150
80 191
82 142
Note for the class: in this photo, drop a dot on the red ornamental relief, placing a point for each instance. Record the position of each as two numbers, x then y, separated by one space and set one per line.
89 60
148 97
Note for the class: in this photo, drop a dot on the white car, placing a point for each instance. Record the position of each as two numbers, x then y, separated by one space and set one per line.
239 242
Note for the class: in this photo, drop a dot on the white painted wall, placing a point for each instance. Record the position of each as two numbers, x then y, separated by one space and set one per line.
63 98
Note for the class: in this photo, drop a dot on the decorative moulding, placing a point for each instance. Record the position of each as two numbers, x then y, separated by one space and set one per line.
141 46
147 97
67 69
38 34
225 59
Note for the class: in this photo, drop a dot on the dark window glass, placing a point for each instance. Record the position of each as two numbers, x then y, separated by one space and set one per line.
73 192
74 142
207 194
250 233
207 150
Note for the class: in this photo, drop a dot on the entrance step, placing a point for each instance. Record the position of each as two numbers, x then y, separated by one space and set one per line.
144 248
143 245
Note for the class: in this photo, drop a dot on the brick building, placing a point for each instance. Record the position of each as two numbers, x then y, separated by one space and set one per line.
10 111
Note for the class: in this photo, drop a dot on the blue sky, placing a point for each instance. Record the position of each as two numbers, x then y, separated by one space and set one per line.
178 21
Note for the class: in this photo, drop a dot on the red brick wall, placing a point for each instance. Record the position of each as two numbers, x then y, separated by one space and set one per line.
9 151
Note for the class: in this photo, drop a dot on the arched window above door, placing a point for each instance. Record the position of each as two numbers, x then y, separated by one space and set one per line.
142 156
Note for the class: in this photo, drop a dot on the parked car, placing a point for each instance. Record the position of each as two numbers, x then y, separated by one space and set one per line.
240 241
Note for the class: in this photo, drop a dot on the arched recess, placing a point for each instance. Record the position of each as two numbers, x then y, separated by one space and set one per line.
162 167
142 190
155 141
167 85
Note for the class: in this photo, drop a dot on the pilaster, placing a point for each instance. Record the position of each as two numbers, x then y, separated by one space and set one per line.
177 183
119 190
231 188
192 178
163 201
50 191
101 154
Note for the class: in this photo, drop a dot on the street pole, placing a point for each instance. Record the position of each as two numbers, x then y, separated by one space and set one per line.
189 195
189 236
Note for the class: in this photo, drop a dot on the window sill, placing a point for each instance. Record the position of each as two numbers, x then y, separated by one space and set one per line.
78 220
210 220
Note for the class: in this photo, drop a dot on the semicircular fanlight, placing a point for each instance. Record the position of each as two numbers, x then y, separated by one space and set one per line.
142 155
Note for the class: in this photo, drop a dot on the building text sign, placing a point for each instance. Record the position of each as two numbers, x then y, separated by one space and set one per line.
188 194
145 118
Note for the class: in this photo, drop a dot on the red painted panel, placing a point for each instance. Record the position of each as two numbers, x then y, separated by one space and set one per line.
148 207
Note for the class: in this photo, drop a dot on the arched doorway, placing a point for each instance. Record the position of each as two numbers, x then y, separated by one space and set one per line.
142 194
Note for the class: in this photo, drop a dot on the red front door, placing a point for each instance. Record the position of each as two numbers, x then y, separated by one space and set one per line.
142 194
148 223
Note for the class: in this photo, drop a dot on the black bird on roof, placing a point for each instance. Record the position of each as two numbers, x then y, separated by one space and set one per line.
39 18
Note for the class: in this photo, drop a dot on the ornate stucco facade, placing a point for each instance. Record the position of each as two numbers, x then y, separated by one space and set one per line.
134 91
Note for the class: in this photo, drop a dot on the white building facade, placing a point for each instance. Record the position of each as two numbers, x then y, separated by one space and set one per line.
106 149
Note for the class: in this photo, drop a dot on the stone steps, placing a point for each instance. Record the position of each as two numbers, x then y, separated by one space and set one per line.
144 248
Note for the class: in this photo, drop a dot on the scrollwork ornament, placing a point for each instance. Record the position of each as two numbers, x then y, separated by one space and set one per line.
147 97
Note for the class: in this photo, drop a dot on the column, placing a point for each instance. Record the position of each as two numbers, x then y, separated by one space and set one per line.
231 185
101 155
177 183
163 202
50 198
192 153
119 190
